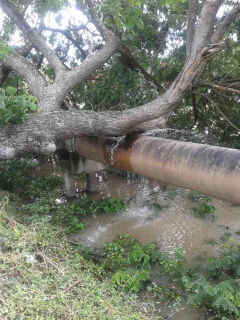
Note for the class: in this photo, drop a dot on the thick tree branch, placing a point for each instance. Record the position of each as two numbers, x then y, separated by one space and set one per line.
192 16
93 62
205 24
27 71
230 17
41 132
32 36
5 71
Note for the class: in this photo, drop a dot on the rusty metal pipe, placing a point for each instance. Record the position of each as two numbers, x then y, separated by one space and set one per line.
206 169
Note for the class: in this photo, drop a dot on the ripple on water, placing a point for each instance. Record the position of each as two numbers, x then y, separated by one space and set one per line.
171 227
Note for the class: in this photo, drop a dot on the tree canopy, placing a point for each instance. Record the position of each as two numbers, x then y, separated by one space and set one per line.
74 68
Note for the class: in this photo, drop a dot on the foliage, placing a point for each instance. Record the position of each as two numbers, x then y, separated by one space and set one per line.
155 32
204 207
227 265
75 226
131 260
222 298
44 277
14 108
110 206
47 184
13 174
5 50
45 194
130 280
42 205
154 204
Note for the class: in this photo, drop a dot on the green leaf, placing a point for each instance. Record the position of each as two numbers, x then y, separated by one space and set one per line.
11 91
118 22
139 23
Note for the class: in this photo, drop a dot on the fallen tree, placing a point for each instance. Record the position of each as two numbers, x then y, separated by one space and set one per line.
42 131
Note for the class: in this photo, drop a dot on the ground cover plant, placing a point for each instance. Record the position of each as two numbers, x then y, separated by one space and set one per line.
39 267
203 205
43 276
216 292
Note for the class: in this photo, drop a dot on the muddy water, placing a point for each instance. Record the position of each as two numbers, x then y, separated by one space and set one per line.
171 226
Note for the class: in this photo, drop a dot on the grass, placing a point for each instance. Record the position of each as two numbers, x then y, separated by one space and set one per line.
43 276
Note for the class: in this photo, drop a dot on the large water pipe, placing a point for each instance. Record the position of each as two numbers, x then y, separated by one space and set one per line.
206 169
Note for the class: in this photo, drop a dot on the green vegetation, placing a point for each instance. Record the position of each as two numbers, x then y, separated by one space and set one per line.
43 276
13 174
154 204
49 277
40 185
203 207
14 108
133 266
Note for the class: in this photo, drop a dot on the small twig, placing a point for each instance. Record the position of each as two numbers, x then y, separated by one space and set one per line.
229 73
72 285
45 258
4 302
220 111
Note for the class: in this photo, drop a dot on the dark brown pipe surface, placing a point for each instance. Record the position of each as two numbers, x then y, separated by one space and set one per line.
207 169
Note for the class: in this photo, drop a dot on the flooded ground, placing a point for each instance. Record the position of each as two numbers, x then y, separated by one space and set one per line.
157 213
161 214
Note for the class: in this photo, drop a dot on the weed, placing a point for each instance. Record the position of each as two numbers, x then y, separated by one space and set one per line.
130 261
204 207
195 196
211 241
44 277
13 174
130 280
226 236
153 204
43 185
110 206
75 226
171 194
